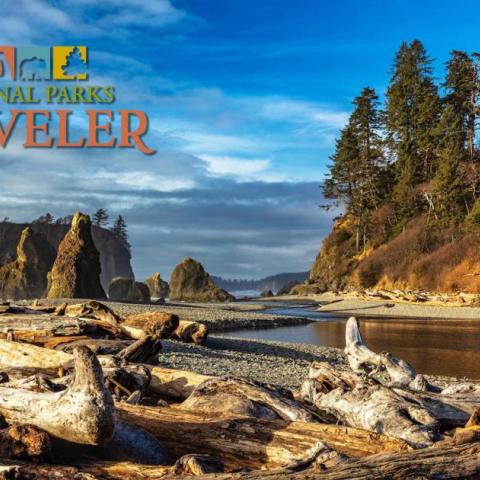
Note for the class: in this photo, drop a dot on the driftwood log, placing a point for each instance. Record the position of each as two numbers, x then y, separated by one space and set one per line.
248 442
175 384
363 360
227 395
402 405
361 403
83 413
190 332
160 324
446 463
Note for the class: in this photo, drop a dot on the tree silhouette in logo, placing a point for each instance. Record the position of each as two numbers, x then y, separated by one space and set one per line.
74 64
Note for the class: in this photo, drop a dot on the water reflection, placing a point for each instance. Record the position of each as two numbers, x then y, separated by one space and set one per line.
437 347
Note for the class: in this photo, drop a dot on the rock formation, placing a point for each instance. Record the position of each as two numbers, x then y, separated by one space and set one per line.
114 256
126 290
76 271
158 288
189 281
266 293
26 277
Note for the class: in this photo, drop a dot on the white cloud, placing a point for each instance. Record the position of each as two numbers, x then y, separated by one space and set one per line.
27 21
242 167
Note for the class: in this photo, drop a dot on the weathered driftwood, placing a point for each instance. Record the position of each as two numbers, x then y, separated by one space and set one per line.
247 442
227 395
448 463
366 404
22 356
175 384
363 360
82 413
25 442
16 470
190 332
41 324
160 324
143 350
98 346
19 355
452 407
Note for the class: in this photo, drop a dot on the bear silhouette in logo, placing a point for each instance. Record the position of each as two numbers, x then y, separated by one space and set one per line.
33 69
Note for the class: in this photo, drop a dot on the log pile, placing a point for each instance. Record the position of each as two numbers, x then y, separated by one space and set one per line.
82 396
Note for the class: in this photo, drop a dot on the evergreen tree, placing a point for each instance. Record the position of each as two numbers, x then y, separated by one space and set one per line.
462 87
100 218
120 231
412 113
45 219
356 174
449 191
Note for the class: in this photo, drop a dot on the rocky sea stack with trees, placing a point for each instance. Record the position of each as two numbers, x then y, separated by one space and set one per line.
407 173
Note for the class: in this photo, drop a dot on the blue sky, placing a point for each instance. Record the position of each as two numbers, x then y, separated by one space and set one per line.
245 100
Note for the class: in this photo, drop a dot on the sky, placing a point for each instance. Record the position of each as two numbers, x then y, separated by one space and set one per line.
245 100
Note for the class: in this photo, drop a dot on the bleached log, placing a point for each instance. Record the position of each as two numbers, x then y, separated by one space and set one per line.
190 332
446 463
20 355
246 442
83 413
363 360
366 404
160 324
175 384
360 358
227 395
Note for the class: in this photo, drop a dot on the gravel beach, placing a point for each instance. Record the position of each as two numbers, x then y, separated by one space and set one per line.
282 363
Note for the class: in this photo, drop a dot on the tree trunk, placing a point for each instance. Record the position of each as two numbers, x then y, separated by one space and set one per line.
190 332
247 442
227 395
366 404
83 413
448 463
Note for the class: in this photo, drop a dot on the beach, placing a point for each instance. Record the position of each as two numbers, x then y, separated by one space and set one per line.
277 362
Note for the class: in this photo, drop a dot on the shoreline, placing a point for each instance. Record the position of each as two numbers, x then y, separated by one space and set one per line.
278 362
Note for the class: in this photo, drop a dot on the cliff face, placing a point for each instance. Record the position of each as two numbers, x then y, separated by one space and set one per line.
418 258
114 257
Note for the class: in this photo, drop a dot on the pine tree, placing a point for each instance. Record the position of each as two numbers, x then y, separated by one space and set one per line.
449 191
120 231
356 175
45 219
462 87
100 217
412 113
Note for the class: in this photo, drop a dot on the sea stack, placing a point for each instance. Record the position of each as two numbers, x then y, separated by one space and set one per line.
189 281
76 271
158 287
26 277
126 290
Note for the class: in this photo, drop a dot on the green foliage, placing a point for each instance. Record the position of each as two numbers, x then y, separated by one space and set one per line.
357 173
100 218
412 111
120 231
417 156
447 183
472 221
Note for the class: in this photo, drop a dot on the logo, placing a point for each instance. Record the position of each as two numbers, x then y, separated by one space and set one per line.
31 64
53 66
